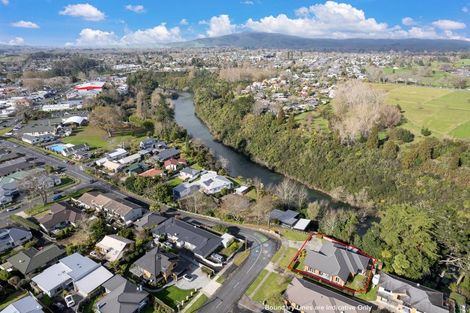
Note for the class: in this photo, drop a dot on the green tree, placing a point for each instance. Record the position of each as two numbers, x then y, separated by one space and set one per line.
406 230
163 193
390 150
98 229
373 139
127 233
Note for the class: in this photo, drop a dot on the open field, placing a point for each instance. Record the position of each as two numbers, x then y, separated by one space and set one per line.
445 112
97 138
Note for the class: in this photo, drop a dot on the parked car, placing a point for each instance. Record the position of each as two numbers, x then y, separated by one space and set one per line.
56 197
12 208
69 301
217 257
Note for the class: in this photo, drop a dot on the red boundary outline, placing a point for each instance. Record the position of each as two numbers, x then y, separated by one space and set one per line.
323 280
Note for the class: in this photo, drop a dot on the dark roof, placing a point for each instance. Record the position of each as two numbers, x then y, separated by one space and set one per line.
205 242
414 295
311 296
335 259
7 170
155 262
123 296
32 259
61 212
166 154
288 217
149 219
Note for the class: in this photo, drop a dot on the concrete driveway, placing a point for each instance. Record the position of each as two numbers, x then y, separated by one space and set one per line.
201 279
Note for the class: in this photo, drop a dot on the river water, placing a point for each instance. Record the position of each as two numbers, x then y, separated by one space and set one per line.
238 164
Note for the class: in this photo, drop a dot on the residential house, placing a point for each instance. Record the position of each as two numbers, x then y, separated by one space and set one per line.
74 271
27 304
171 164
135 168
61 215
211 183
32 260
70 151
116 154
153 172
136 157
37 139
126 211
167 154
121 296
286 218
185 190
13 166
13 237
400 295
151 144
189 173
154 266
113 247
334 262
185 235
149 220
307 297
113 166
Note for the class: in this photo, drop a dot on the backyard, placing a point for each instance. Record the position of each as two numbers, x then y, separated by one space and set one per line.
173 295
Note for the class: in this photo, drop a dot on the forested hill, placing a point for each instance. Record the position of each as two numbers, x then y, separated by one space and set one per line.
257 40
416 193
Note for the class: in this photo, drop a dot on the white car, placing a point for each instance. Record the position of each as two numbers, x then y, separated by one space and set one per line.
69 301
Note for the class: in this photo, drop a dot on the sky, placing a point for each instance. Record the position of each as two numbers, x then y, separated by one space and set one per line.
133 23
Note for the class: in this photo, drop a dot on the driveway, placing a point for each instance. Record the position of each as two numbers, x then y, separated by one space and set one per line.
200 281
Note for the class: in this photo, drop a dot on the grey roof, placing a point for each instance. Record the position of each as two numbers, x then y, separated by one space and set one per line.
205 242
61 212
12 237
24 305
413 295
149 219
167 154
335 259
190 171
311 296
155 262
79 265
32 259
123 296
288 217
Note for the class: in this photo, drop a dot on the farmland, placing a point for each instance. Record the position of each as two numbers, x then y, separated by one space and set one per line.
445 112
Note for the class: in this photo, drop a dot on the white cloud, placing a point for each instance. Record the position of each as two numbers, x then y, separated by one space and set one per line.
155 35
135 8
5 2
448 24
220 25
25 24
94 37
184 22
248 2
159 34
17 41
408 21
83 10
341 20
465 10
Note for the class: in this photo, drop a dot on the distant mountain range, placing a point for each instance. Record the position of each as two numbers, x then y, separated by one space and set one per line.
256 40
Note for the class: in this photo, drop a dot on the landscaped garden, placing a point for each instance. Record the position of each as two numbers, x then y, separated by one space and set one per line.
174 295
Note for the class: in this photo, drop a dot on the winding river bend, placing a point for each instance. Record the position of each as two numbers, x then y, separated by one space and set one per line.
238 164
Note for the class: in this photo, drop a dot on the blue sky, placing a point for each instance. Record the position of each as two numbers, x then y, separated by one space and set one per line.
150 22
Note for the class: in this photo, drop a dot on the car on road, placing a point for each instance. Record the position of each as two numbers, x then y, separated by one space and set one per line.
12 209
69 301
188 277
56 197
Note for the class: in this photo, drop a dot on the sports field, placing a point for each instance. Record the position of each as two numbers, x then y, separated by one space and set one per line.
445 112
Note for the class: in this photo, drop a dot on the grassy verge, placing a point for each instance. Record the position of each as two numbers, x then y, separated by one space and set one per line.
256 282
271 291
24 222
287 257
293 234
241 257
371 295
234 246
174 182
197 304
220 279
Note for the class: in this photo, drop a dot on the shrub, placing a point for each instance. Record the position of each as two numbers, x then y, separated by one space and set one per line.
425 132
401 135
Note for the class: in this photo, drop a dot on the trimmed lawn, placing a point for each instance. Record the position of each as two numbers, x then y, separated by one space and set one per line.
174 182
173 295
256 282
230 249
273 286
197 304
293 234
241 257
371 295
5 130
287 257
357 283
98 138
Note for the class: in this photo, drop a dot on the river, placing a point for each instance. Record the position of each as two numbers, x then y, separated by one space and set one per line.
238 164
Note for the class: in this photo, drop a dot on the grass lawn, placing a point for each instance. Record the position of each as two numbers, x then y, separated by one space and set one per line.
287 257
256 282
220 279
197 304
12 298
5 130
459 299
273 286
38 209
357 283
445 112
371 295
293 234
230 249
174 182
173 295
98 138
241 257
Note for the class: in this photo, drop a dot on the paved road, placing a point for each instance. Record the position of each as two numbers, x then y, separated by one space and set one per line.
262 249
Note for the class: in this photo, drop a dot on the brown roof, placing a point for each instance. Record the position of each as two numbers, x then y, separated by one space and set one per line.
151 173
61 212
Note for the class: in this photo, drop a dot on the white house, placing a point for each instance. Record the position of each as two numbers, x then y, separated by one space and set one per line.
113 247
210 182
